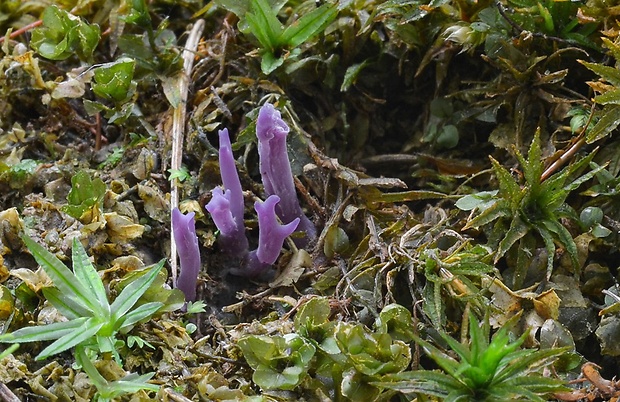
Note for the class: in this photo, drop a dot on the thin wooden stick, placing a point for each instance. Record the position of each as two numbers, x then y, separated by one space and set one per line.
7 395
178 130
23 29
564 158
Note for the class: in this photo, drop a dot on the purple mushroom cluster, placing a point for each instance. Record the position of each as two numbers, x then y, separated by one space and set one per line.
227 208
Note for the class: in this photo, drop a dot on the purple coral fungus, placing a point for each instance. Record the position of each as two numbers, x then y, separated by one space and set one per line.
184 230
226 207
275 169
271 236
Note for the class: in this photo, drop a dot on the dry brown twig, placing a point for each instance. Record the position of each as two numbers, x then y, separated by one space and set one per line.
178 130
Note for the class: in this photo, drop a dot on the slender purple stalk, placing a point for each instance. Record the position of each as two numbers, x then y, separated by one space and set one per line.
184 229
226 207
271 236
275 169
230 177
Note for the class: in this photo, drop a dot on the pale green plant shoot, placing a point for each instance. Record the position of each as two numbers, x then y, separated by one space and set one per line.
495 370
108 390
81 297
260 18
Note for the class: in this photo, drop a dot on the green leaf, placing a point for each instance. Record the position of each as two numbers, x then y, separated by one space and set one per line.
433 306
538 383
265 25
269 62
106 344
279 362
448 136
129 384
481 200
565 238
500 209
83 360
531 360
181 174
518 229
113 81
609 98
350 76
423 382
86 273
43 332
138 314
86 194
63 35
533 167
479 341
196 307
238 7
62 277
609 74
88 330
447 363
308 25
312 315
554 191
396 321
66 305
610 119
132 292
509 189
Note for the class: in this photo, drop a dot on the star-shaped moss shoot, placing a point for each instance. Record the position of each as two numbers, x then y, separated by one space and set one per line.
184 229
275 170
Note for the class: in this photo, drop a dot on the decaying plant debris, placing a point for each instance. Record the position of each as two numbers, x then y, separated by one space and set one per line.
458 159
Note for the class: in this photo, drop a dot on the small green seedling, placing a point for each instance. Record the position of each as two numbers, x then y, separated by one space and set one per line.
63 35
181 174
279 362
496 370
260 18
108 390
85 200
81 297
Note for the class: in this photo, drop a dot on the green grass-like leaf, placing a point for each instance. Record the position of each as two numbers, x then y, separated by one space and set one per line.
81 334
108 390
308 25
265 25
87 274
132 292
62 276
610 74
45 332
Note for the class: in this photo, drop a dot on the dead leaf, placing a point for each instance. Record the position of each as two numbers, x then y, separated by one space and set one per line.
155 203
6 303
293 270
36 280
121 229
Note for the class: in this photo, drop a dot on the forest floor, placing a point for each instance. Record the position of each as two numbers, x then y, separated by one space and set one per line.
458 158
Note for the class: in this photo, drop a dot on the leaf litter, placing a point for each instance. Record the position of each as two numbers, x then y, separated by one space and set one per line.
394 109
